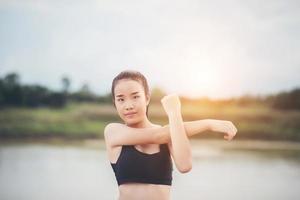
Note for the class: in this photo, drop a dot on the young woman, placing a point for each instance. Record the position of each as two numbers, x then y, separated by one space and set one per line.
139 151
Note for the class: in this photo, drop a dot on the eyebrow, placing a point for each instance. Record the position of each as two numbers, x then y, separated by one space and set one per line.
120 95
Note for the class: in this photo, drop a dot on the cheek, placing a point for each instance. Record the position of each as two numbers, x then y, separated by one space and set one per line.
141 105
118 109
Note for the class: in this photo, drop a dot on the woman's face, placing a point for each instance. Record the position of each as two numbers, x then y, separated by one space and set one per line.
130 101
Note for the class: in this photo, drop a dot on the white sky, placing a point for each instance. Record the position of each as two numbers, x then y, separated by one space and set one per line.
197 48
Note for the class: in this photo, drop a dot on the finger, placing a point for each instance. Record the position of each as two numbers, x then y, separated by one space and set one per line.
233 127
233 131
227 136
233 134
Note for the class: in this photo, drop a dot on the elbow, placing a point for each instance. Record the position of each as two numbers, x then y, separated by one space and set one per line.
186 167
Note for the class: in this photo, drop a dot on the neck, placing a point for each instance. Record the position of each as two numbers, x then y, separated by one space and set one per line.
141 124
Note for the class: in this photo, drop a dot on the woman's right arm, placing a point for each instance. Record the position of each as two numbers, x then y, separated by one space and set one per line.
117 134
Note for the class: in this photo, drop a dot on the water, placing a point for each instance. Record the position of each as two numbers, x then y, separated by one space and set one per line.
40 171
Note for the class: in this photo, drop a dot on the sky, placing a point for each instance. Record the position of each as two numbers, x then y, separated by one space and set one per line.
196 48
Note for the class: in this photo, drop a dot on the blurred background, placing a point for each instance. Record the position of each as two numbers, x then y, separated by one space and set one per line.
229 60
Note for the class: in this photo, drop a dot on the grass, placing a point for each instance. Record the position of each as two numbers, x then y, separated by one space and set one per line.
87 120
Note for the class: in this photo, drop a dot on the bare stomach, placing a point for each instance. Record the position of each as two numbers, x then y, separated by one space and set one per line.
138 191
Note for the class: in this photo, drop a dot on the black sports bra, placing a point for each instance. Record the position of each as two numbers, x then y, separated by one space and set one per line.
136 166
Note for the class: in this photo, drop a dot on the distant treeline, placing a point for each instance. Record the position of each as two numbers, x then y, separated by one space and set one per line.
13 93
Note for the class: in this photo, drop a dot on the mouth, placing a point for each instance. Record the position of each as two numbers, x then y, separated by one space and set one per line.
130 114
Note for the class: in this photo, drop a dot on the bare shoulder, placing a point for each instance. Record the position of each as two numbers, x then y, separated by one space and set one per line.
157 125
112 128
109 130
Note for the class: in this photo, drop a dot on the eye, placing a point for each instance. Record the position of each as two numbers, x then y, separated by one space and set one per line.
120 99
136 96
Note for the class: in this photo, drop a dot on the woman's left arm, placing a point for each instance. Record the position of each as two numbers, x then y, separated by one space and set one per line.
198 126
180 146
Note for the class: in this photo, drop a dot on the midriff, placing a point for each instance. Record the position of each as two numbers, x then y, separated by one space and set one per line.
138 191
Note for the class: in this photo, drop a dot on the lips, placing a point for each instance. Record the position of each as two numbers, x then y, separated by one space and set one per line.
131 113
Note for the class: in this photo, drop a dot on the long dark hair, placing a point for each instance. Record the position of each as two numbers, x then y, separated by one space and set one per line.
132 75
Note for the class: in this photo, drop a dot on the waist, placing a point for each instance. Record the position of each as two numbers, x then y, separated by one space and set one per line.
166 181
132 191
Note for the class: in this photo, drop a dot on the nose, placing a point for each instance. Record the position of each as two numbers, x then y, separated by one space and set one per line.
129 105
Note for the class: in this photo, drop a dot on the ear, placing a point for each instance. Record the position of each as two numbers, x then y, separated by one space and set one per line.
148 97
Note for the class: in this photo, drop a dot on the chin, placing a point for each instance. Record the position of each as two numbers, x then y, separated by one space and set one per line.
132 121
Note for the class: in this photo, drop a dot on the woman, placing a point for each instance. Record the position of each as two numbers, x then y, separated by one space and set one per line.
139 151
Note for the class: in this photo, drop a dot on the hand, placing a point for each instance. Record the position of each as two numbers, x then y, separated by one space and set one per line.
171 104
224 126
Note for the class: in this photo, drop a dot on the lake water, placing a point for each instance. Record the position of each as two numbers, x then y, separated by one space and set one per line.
221 170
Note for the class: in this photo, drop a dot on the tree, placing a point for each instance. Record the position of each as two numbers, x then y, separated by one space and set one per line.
66 82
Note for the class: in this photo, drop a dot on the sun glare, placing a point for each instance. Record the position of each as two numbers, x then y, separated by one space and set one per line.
203 81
